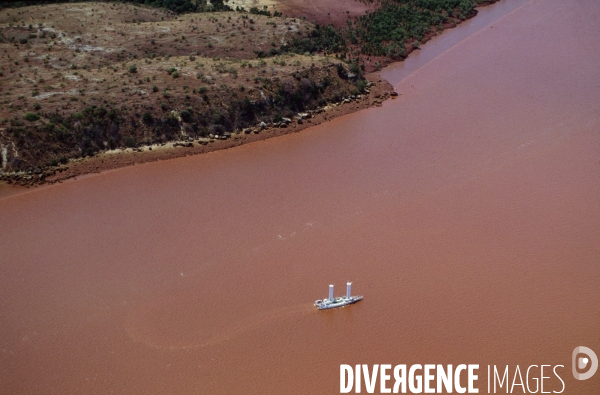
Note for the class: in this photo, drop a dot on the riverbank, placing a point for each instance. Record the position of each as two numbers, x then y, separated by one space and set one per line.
71 131
108 160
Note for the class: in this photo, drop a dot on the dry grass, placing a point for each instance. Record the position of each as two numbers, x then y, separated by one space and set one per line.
85 53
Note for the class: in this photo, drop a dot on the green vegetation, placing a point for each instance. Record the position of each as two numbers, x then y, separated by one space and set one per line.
130 141
32 117
147 118
321 39
399 21
387 30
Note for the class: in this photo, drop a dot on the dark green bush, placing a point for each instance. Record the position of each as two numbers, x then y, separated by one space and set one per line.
147 118
361 85
31 117
186 116
130 141
321 39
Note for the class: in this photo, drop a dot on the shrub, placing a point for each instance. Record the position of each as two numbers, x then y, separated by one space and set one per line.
147 118
31 117
130 141
154 88
133 69
186 116
100 112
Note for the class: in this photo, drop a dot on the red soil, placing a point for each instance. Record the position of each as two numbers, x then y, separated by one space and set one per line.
325 12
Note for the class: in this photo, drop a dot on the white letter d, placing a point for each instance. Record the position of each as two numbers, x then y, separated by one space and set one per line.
346 385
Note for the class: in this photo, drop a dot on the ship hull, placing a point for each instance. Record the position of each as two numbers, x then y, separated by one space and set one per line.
338 302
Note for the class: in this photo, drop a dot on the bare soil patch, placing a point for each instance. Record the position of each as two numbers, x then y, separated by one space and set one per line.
324 12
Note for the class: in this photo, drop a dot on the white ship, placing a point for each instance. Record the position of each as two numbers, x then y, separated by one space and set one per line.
332 303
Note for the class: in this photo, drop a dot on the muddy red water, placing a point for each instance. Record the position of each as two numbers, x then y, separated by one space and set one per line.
467 213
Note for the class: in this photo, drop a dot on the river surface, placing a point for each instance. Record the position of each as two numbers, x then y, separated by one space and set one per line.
467 212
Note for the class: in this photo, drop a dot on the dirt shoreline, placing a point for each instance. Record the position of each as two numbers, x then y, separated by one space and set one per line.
380 90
